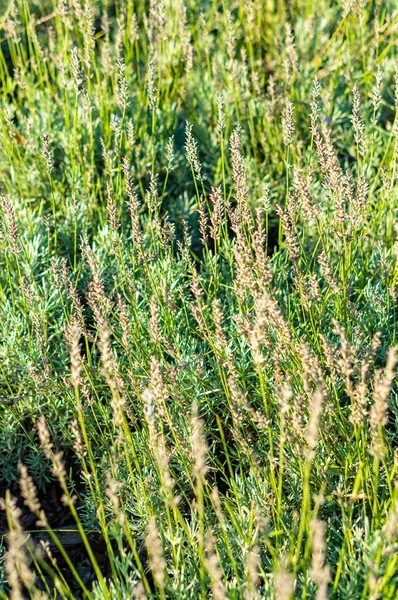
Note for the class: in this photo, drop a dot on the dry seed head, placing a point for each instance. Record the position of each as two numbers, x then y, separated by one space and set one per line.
220 114
136 234
78 444
117 131
204 33
105 348
283 395
215 496
320 573
139 591
231 41
328 160
182 16
76 68
87 107
378 412
134 29
283 585
217 213
152 196
8 210
288 124
244 281
188 54
312 433
290 238
151 87
347 358
44 437
10 27
314 290
33 302
359 403
19 79
57 273
239 177
158 387
390 528
257 333
370 355
290 47
45 547
28 489
204 221
191 148
106 58
130 134
195 286
238 402
47 153
120 32
334 173
382 387
199 445
277 318
214 570
123 319
315 110
105 153
300 285
162 459
360 200
16 565
170 154
98 300
197 308
346 197
327 272
77 305
303 190
266 197
255 79
251 15
154 320
122 87
112 209
155 550
358 124
87 23
376 93
253 575
149 413
185 247
63 8
59 471
160 19
165 231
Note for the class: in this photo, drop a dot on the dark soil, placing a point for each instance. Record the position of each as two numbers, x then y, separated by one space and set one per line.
63 524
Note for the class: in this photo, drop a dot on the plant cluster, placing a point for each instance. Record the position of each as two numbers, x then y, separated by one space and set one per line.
198 315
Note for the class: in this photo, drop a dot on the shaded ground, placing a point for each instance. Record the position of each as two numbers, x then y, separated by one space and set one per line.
62 523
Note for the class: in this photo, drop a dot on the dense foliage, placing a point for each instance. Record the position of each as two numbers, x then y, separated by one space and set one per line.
198 318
